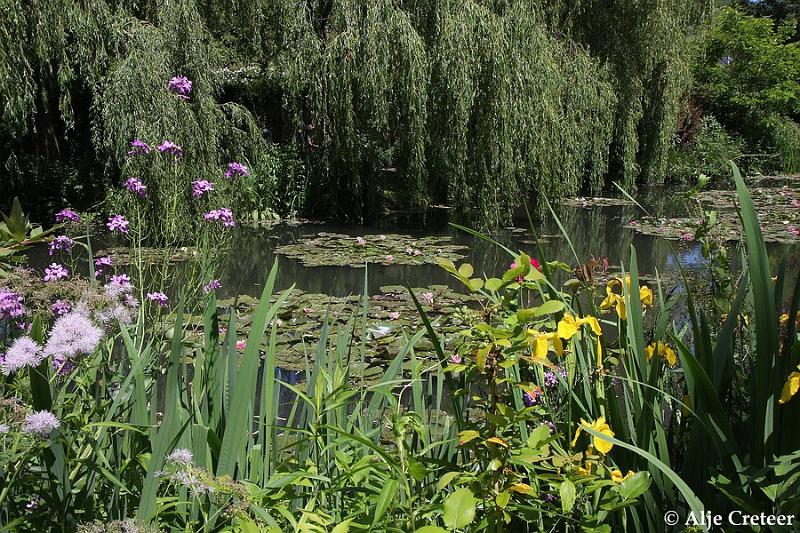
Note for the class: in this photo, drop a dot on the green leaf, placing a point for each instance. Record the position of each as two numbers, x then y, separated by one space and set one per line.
466 270
431 529
492 284
549 307
502 499
568 495
475 284
385 499
446 479
634 486
538 436
343 527
459 508
447 265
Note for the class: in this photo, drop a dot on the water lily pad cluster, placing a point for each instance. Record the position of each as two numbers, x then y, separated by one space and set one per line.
392 319
596 201
777 208
123 256
336 249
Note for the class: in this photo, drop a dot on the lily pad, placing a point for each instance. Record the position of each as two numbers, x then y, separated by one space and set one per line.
336 249
124 256
596 201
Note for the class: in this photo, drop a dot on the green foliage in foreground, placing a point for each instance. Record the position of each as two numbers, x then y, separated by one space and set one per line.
554 412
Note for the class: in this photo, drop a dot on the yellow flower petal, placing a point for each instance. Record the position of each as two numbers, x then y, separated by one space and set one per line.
621 309
645 295
791 387
540 347
567 327
593 323
669 354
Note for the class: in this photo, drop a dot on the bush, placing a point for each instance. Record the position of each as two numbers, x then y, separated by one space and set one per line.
707 153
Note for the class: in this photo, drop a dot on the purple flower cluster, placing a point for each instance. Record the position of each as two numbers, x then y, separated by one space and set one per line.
118 223
158 297
61 307
181 85
55 272
23 352
200 187
62 242
123 280
10 305
170 147
138 147
136 186
236 169
73 334
531 398
101 262
212 285
68 215
41 423
223 215
551 380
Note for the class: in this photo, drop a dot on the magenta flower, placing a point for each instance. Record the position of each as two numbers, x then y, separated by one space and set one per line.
361 241
138 147
389 258
41 423
212 285
794 230
200 187
241 345
61 307
103 261
456 358
62 242
118 223
795 203
427 297
136 186
68 215
170 147
181 85
236 170
55 272
687 237
394 315
158 297
223 215
23 352
10 305
123 280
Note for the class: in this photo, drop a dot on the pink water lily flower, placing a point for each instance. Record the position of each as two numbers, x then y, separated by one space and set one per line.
389 258
361 241
241 345
394 315
427 297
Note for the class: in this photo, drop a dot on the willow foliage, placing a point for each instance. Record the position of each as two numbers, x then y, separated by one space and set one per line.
392 103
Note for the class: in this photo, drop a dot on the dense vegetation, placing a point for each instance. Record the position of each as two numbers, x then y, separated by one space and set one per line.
564 403
344 107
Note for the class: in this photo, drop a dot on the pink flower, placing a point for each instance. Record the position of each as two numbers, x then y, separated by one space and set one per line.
62 242
212 285
687 237
181 85
55 272
455 358
308 310
138 147
360 241
68 215
117 223
381 237
241 345
394 315
136 186
158 297
427 297
409 250
200 187
417 252
235 170
389 258
223 215
795 203
794 230
633 223
170 147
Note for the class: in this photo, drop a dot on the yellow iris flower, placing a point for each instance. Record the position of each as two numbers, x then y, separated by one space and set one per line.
601 426
569 325
541 343
617 477
791 387
664 351
617 300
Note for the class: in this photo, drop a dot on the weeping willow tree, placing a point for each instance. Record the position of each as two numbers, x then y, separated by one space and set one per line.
521 102
479 104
